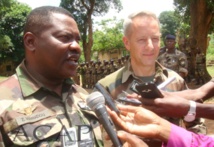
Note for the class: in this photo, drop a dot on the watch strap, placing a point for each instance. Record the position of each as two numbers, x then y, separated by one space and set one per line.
192 108
191 113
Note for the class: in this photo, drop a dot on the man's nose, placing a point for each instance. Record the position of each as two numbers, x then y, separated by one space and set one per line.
150 43
74 45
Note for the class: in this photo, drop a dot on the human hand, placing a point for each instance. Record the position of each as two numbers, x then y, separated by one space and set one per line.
167 105
141 122
131 140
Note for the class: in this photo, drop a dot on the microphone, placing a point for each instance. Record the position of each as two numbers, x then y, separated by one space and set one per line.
110 103
96 102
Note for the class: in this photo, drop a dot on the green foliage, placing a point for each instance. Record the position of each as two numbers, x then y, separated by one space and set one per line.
210 70
169 23
5 44
11 24
109 36
5 6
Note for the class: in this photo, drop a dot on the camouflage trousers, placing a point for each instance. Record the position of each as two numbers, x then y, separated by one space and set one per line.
197 126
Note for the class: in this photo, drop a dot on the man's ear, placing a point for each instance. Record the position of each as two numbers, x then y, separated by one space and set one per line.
126 42
29 41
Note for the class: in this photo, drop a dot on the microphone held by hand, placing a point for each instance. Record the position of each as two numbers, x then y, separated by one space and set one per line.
108 99
96 102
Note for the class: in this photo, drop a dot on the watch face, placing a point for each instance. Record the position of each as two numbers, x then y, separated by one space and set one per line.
189 117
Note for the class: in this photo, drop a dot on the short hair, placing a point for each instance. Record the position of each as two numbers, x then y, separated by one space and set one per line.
128 21
39 18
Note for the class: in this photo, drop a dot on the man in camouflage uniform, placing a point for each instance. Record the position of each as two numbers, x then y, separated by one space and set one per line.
82 71
99 71
199 68
112 66
87 74
106 69
173 58
40 101
119 64
142 40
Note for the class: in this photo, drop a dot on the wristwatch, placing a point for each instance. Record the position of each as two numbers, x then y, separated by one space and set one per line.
191 113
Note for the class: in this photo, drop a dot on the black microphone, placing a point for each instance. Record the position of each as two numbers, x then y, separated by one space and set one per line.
96 102
109 101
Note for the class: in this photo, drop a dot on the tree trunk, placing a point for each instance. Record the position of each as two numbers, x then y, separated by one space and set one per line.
88 39
201 18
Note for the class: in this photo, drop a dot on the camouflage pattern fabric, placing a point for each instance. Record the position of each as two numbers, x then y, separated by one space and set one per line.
176 61
199 68
32 115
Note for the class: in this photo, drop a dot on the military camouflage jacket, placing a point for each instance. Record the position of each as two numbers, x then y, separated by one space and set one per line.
32 115
176 61
121 80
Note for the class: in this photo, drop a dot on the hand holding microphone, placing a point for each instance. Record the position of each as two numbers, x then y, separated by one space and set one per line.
96 102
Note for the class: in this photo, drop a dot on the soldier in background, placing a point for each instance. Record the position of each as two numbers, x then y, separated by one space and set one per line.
81 71
93 74
187 51
119 64
123 60
90 69
87 75
162 50
112 66
200 66
105 68
173 58
99 71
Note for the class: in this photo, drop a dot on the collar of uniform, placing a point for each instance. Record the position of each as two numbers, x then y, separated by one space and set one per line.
28 83
128 71
160 68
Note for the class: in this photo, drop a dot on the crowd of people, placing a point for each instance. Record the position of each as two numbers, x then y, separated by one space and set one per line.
41 105
91 72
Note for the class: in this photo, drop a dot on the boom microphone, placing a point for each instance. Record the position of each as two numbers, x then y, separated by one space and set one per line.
110 103
96 102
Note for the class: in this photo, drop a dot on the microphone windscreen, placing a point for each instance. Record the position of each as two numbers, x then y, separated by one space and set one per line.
95 99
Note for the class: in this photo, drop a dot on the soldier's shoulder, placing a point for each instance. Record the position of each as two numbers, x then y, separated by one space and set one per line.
172 73
9 83
112 78
180 53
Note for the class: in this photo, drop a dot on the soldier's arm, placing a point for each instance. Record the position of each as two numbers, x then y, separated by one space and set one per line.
202 109
204 92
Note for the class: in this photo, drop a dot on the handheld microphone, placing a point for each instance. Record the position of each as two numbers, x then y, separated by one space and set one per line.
107 97
96 102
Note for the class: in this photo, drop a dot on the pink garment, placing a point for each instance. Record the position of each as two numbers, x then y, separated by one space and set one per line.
179 137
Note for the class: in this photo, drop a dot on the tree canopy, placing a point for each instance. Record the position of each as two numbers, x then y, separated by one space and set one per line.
169 23
109 35
83 12
11 27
